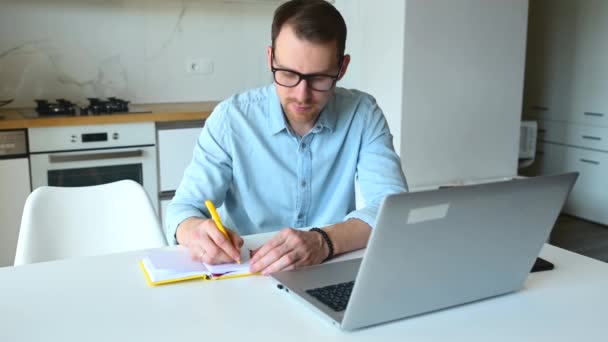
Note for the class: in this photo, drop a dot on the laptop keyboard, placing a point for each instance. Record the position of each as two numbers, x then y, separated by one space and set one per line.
335 296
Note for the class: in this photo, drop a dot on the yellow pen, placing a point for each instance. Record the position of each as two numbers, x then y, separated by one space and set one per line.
216 218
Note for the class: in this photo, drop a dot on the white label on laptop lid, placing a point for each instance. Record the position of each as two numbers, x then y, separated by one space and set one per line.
434 212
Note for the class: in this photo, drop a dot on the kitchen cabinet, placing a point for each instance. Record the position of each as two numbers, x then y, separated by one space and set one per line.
565 89
566 76
589 197
590 87
590 137
175 141
14 189
566 72
548 76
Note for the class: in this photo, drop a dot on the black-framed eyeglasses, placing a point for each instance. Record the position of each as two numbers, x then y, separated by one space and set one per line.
290 78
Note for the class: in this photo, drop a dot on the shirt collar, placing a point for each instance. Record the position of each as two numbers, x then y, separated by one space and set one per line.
328 116
277 121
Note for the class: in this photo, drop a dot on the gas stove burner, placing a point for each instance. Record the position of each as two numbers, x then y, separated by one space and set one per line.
61 107
112 105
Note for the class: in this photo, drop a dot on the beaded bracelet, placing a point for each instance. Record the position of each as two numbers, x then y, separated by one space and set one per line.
330 245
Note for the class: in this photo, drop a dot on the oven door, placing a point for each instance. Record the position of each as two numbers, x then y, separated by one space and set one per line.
93 167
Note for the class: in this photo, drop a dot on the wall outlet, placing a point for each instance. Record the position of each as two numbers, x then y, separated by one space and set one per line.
199 66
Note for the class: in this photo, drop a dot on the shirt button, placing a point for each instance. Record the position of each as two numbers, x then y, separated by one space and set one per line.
303 183
303 145
300 215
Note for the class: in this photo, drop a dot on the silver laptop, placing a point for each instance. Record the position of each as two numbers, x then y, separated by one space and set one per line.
436 249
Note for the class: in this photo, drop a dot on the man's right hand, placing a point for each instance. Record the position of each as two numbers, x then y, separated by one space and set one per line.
206 243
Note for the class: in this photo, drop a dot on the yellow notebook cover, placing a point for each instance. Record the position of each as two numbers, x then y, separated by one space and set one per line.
169 265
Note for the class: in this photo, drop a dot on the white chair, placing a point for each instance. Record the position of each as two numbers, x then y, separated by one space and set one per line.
63 222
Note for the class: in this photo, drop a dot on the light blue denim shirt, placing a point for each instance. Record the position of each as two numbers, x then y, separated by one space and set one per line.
263 177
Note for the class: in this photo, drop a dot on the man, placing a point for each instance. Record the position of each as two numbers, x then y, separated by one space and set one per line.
287 155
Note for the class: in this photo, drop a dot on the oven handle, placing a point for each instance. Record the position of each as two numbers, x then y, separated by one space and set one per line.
94 156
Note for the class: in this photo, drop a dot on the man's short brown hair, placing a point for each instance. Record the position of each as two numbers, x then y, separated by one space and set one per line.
316 21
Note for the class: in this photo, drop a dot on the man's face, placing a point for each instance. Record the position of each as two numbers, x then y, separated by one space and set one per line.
301 104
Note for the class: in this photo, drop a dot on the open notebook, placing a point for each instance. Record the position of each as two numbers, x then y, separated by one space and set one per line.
168 265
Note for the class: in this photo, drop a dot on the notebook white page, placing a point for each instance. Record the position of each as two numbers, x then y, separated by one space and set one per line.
175 263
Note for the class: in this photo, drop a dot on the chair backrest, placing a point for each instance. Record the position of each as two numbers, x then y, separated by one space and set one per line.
63 222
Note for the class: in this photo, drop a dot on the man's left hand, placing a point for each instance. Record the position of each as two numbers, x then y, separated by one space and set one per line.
289 249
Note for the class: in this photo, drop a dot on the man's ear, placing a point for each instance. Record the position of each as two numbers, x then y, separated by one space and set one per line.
269 56
345 62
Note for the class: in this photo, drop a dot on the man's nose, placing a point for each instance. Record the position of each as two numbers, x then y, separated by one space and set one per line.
302 92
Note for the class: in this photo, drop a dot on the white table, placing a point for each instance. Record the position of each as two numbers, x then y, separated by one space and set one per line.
106 298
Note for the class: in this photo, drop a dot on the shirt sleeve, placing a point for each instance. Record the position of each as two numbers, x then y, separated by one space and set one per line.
379 171
208 175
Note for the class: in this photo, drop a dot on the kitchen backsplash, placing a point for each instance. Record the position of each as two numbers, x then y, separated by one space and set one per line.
142 50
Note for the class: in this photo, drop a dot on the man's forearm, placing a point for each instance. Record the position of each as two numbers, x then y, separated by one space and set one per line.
348 235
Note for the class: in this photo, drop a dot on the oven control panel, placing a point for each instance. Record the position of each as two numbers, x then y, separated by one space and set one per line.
94 137
68 138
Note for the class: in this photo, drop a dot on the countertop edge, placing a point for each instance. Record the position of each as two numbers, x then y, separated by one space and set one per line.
159 114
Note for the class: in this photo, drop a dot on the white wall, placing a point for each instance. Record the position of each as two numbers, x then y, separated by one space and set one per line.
447 73
463 85
135 49
375 42
449 76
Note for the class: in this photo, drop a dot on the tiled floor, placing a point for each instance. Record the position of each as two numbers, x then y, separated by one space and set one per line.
580 236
